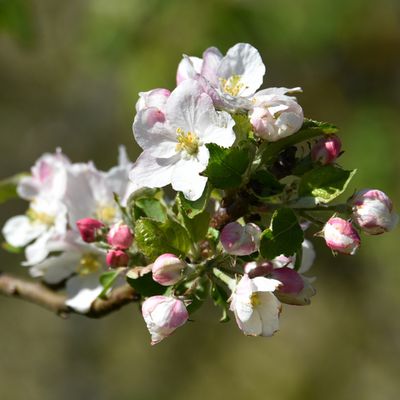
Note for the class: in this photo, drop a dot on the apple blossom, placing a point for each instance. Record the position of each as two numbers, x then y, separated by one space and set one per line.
326 150
373 211
240 240
163 315
231 80
167 269
274 115
341 236
175 151
255 307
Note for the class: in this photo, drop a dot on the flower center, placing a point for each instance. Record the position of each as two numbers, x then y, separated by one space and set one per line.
106 213
255 300
188 142
40 217
88 264
232 85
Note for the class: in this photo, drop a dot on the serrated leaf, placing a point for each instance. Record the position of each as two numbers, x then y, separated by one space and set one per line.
155 238
264 184
325 183
220 299
197 226
151 208
8 187
107 279
309 130
284 236
146 286
226 167
193 208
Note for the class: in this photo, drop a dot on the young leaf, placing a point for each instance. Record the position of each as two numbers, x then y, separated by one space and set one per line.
325 183
220 299
309 130
284 236
193 208
8 187
150 207
264 184
107 279
227 166
155 238
145 285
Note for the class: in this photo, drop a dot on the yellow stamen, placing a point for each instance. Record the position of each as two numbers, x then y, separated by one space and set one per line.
255 300
188 142
41 217
106 213
88 264
232 85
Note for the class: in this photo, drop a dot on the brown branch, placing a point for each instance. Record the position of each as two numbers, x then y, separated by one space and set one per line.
39 294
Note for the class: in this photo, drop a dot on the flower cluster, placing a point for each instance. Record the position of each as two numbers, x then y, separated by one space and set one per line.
254 180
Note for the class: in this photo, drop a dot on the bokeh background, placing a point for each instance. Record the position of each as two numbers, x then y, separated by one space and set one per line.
69 76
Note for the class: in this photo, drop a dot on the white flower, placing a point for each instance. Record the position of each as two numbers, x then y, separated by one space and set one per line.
90 192
231 80
274 115
81 265
255 306
174 151
48 177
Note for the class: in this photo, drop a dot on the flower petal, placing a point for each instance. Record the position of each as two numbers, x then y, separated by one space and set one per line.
188 68
211 60
20 230
269 310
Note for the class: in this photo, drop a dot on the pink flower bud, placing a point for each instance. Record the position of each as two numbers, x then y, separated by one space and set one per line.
117 258
89 228
290 279
373 211
155 98
163 315
326 150
240 240
341 236
120 237
254 269
167 269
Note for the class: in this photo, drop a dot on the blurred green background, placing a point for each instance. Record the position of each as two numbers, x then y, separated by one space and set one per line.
69 76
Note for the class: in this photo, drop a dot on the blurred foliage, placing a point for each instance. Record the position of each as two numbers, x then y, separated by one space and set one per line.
69 76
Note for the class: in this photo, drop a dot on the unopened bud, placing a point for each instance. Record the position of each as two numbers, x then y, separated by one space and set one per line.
163 315
89 228
167 269
290 279
117 258
373 211
326 150
341 236
240 240
262 268
120 237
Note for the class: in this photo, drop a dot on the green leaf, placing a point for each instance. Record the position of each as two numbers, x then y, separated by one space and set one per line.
284 236
325 183
146 286
309 130
107 279
226 167
220 299
264 184
193 208
8 187
242 128
155 238
197 226
11 249
152 208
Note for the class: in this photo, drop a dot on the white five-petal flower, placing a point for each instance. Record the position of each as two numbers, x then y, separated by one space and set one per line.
175 151
231 80
255 306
